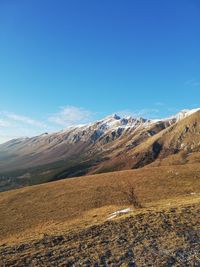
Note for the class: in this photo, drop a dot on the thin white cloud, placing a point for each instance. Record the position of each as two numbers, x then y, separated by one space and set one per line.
23 119
13 125
145 113
70 115
160 104
4 123
193 83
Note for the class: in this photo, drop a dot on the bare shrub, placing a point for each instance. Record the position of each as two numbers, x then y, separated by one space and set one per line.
129 193
133 198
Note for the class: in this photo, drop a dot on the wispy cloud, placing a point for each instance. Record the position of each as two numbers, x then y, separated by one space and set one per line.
71 115
13 125
193 83
23 119
3 123
146 113
160 104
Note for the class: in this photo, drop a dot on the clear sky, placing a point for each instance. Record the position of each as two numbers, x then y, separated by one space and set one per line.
64 62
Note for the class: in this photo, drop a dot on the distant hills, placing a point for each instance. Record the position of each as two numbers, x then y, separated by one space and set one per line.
111 144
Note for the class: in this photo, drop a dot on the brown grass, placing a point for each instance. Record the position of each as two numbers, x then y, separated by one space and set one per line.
75 203
160 236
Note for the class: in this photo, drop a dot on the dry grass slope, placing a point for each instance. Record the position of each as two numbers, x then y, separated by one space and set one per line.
157 237
65 223
63 201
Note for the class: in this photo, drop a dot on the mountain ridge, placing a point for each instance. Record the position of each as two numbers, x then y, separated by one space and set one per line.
113 143
125 120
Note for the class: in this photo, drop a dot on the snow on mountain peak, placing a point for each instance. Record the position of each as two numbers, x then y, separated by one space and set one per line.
112 124
111 117
116 117
179 116
184 113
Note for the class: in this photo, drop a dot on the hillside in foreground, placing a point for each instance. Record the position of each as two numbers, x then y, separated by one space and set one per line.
72 222
161 237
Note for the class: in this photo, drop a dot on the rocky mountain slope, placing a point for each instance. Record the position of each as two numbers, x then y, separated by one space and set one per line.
113 143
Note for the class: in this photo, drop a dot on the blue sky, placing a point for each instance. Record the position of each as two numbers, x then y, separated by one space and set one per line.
64 62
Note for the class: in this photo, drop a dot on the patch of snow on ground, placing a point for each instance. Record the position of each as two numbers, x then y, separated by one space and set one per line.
119 212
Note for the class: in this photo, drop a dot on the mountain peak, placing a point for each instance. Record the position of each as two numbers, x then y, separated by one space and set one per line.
116 117
100 145
185 113
112 116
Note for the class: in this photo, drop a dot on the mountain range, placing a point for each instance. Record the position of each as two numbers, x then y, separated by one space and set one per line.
112 144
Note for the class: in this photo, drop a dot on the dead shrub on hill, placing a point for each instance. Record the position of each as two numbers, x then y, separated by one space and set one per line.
129 195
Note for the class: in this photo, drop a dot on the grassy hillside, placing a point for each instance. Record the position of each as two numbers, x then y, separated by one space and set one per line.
157 237
71 223
76 202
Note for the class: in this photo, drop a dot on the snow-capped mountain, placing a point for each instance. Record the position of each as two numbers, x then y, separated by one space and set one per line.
112 123
112 143
82 133
183 114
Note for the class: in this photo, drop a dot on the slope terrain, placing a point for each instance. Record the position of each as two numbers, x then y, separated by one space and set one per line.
77 222
111 144
168 237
